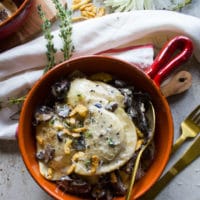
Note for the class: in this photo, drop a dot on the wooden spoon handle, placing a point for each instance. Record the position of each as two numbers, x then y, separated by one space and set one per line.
179 83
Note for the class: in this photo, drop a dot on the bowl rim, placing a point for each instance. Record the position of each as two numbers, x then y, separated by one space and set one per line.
165 157
14 15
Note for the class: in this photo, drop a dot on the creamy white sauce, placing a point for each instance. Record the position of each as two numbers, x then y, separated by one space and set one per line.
90 92
112 135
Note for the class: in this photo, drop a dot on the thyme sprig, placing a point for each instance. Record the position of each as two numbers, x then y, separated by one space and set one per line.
51 50
65 24
16 101
65 19
12 101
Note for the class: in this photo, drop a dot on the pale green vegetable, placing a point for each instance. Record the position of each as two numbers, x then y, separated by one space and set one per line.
128 5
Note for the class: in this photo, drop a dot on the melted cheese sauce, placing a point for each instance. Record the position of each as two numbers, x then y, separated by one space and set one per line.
110 137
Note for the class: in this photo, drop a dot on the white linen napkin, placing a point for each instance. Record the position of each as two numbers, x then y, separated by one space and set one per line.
21 66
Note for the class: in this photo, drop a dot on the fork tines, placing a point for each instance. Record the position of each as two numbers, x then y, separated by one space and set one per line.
195 116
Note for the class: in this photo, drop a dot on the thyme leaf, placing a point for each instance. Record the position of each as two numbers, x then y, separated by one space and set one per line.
65 34
65 24
17 101
51 50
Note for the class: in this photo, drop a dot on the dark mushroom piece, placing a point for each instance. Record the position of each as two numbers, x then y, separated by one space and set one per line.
60 135
140 173
128 167
102 190
59 89
128 96
119 83
118 187
98 192
132 112
40 155
109 195
128 100
112 106
143 123
44 113
74 184
148 156
46 154
79 143
137 111
62 110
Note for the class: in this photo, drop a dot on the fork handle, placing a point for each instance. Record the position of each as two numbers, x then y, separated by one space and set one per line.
178 143
191 154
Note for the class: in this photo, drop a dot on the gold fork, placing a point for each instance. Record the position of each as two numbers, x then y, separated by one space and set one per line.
190 128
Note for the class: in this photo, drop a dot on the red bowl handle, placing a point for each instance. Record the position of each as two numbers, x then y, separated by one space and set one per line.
165 62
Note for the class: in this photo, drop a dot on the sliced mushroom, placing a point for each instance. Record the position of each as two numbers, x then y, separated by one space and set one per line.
119 83
128 96
44 113
132 112
74 184
130 164
59 89
79 143
118 187
40 155
60 135
109 195
98 192
46 154
62 110
126 91
128 100
112 106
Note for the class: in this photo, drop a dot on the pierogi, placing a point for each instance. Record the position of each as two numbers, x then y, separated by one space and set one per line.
94 137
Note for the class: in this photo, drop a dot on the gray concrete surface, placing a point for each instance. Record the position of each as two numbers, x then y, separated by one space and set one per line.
17 184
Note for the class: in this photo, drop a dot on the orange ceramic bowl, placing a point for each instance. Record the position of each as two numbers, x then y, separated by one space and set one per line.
14 22
90 65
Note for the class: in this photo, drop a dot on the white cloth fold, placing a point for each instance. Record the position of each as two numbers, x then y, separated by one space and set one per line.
21 66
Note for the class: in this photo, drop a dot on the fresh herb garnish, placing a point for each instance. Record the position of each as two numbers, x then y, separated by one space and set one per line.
65 24
51 50
65 29
79 143
88 164
12 101
111 143
88 134
17 101
51 122
65 33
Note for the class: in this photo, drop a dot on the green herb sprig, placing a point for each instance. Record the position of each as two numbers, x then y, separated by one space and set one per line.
51 50
65 34
65 16
17 101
